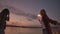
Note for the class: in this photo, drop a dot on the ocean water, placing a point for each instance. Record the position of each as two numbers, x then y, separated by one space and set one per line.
19 30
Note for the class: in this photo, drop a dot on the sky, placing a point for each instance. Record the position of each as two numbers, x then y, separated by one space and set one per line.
52 7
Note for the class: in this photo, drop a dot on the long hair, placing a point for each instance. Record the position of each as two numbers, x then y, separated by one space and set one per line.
5 12
43 13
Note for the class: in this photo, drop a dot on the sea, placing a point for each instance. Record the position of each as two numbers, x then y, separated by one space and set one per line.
20 30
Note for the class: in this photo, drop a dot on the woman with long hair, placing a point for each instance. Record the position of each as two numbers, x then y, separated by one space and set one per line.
46 20
4 16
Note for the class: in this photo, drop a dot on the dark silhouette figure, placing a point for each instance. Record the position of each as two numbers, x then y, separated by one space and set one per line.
4 16
46 20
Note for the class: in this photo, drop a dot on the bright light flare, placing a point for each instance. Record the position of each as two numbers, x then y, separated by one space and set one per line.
39 15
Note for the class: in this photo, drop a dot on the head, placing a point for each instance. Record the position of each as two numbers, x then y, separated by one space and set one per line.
42 12
5 11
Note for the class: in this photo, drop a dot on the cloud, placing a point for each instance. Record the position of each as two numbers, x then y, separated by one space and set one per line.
22 21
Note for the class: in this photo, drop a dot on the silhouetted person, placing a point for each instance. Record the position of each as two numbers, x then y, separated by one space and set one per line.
46 20
4 16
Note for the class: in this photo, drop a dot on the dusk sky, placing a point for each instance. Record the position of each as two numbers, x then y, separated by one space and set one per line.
52 7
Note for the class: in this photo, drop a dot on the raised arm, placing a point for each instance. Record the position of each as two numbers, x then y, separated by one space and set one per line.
54 22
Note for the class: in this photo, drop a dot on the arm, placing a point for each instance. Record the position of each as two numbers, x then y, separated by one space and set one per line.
54 22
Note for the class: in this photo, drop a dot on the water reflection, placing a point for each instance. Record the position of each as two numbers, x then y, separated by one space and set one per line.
18 30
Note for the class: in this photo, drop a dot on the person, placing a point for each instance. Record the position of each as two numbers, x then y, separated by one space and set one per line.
4 16
45 21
